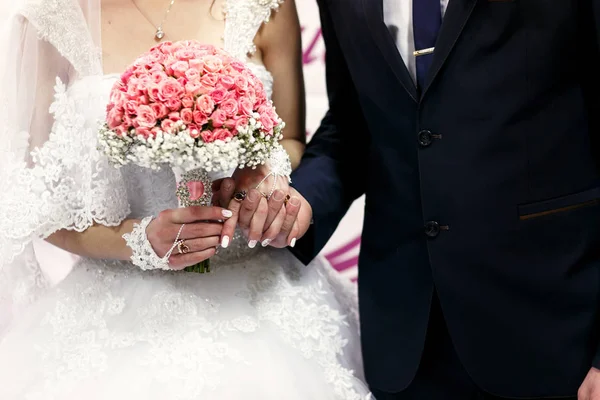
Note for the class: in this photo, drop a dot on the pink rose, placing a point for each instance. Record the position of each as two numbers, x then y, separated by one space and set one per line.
158 76
227 81
238 66
167 125
241 122
114 118
187 101
197 64
194 131
187 116
230 107
245 106
160 110
222 134
209 81
200 119
212 64
218 95
154 92
194 88
126 75
230 124
205 105
241 84
192 75
174 116
170 89
232 95
173 104
207 136
218 118
131 107
185 54
266 122
146 118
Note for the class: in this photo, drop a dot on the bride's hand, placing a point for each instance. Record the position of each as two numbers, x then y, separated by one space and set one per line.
201 233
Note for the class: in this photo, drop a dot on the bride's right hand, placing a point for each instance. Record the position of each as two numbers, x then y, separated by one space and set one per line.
202 233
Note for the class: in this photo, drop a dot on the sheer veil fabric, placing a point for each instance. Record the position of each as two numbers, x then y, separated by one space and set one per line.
53 176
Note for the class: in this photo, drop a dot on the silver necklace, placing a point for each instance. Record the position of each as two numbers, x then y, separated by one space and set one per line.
160 33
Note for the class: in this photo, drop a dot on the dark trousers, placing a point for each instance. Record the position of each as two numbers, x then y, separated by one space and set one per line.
441 375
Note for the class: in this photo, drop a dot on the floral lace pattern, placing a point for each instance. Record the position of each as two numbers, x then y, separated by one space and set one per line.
70 185
191 324
61 23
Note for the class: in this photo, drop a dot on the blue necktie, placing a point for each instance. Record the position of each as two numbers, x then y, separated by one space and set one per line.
427 21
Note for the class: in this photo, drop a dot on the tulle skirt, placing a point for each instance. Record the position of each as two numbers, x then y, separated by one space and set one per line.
263 328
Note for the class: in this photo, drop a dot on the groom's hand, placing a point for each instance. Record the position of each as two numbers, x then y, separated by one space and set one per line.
293 229
590 388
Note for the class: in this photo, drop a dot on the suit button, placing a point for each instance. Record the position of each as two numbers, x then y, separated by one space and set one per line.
432 229
425 138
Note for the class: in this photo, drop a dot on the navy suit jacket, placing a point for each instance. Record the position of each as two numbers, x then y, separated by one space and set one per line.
483 185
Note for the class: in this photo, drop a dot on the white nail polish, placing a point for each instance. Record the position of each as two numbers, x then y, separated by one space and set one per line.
225 242
252 244
293 242
227 214
266 242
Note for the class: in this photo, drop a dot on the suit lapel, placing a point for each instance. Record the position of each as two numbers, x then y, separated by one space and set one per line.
457 15
373 10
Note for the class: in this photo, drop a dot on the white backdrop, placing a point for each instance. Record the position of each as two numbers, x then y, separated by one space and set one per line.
343 248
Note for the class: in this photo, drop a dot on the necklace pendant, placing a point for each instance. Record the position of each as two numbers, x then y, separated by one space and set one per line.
159 34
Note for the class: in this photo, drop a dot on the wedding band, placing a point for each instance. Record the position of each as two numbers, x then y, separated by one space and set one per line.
266 196
240 196
287 199
182 247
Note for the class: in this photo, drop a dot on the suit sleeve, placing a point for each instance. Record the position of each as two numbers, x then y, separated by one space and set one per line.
591 77
332 173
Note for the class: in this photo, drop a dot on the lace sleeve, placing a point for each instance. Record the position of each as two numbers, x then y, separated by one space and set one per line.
51 173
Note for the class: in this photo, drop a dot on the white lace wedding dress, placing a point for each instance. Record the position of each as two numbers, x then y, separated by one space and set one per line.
259 326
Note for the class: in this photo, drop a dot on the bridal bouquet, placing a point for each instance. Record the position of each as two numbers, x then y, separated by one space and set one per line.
194 108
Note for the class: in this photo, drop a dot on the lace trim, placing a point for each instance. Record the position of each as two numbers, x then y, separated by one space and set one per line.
70 185
62 23
245 18
144 255
186 333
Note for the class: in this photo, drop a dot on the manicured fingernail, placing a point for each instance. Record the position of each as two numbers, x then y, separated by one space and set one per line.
227 214
295 201
293 242
266 242
225 242
252 244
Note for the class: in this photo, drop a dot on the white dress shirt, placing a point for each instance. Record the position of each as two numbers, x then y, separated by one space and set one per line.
397 15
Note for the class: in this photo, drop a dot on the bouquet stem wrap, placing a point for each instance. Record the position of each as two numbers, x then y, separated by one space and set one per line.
194 188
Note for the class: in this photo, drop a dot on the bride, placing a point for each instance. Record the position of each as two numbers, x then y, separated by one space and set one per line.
258 326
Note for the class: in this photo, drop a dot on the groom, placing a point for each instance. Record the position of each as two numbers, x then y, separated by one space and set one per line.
473 131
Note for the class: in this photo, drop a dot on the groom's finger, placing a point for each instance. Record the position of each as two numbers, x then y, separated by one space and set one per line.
292 210
249 207
275 206
274 228
226 190
257 223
